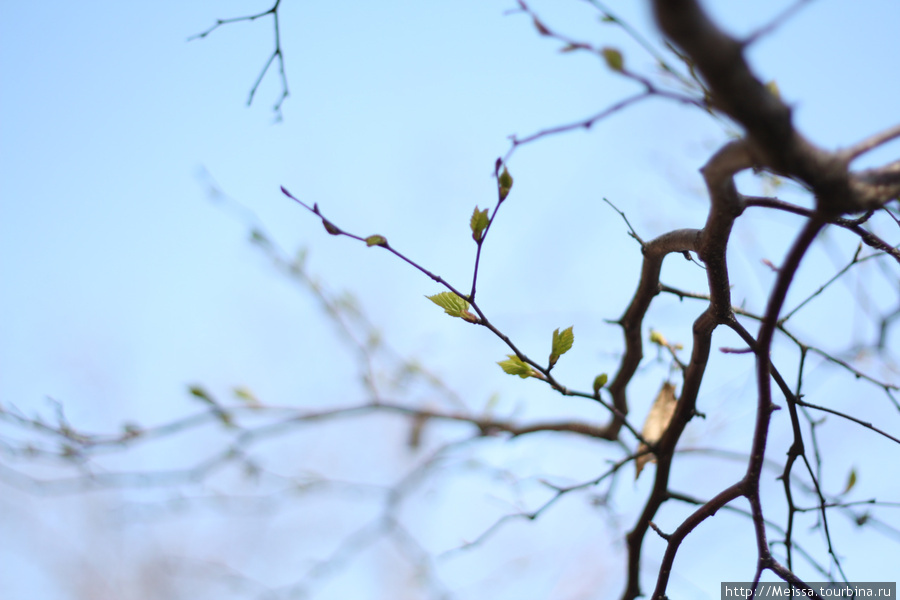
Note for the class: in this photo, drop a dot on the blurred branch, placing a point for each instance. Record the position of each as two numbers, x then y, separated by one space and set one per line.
767 120
776 22
615 62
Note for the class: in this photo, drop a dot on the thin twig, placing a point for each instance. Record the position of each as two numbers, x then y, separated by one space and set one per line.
276 53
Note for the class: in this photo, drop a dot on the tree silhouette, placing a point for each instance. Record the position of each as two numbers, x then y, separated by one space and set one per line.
697 67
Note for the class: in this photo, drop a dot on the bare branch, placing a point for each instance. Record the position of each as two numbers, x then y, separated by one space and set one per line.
871 143
776 22
276 53
767 120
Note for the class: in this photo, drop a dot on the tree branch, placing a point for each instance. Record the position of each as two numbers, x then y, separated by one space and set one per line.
767 120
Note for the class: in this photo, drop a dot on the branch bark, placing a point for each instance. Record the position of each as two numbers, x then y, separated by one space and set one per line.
767 120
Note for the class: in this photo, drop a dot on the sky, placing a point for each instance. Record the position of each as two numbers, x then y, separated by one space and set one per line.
125 281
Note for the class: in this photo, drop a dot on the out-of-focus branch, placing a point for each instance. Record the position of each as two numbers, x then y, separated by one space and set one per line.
767 120
870 143
85 446
694 97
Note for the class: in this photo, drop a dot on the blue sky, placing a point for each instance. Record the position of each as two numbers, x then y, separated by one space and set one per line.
123 283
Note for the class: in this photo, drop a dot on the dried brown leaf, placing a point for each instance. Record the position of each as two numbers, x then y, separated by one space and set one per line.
656 423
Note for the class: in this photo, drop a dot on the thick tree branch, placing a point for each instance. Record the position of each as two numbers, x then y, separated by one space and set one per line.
681 240
767 120
712 242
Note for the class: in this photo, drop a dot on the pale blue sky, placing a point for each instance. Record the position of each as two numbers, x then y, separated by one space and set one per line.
122 283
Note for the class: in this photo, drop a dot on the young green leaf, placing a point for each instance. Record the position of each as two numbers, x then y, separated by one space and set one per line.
479 223
258 237
614 59
131 430
514 365
452 304
851 481
247 396
202 394
562 343
505 182
491 404
223 415
376 240
599 381
658 338
225 418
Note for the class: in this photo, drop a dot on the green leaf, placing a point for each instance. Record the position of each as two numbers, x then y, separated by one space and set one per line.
258 237
505 182
244 394
599 381
658 338
225 417
298 264
452 304
491 403
562 343
202 394
514 365
376 240
478 223
131 430
851 481
613 58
